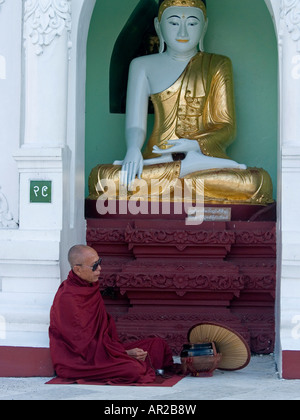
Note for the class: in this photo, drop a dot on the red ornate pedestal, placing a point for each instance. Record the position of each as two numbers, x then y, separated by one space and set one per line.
160 276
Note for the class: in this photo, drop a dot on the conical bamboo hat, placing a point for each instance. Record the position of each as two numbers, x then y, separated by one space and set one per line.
234 349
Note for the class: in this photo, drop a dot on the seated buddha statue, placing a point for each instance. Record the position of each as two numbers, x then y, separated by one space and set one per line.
193 98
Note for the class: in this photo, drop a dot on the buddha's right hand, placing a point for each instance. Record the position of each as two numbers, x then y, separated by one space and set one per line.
179 146
132 166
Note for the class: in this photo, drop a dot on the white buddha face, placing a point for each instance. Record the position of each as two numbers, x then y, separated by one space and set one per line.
182 27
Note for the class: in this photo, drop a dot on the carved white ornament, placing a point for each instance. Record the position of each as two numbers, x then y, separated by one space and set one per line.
290 14
6 218
45 20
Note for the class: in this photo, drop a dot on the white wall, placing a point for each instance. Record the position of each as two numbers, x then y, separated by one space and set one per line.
10 98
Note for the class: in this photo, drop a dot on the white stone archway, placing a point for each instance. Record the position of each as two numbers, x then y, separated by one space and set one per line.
33 254
286 18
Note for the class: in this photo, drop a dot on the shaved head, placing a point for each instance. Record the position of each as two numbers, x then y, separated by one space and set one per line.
78 254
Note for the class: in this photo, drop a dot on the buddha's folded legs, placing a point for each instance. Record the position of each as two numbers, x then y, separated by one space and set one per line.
249 186
162 182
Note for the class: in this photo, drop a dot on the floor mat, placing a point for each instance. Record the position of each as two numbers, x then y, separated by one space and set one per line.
159 381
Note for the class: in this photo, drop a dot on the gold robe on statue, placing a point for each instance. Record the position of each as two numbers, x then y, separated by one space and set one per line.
198 106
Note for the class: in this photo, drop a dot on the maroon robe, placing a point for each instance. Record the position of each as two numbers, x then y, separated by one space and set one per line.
84 343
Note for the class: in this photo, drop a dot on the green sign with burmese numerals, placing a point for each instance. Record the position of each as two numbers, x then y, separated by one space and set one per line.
40 191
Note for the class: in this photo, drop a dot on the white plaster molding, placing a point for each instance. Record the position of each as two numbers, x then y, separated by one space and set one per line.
43 160
6 218
45 20
290 16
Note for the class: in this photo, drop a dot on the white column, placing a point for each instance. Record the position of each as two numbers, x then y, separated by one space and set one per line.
31 256
43 155
289 52
47 25
288 295
10 108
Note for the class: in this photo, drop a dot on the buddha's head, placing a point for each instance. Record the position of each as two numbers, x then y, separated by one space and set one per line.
181 24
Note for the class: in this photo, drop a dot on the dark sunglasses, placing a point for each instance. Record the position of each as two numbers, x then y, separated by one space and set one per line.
94 266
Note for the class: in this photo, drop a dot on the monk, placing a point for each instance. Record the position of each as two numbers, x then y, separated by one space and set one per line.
84 343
